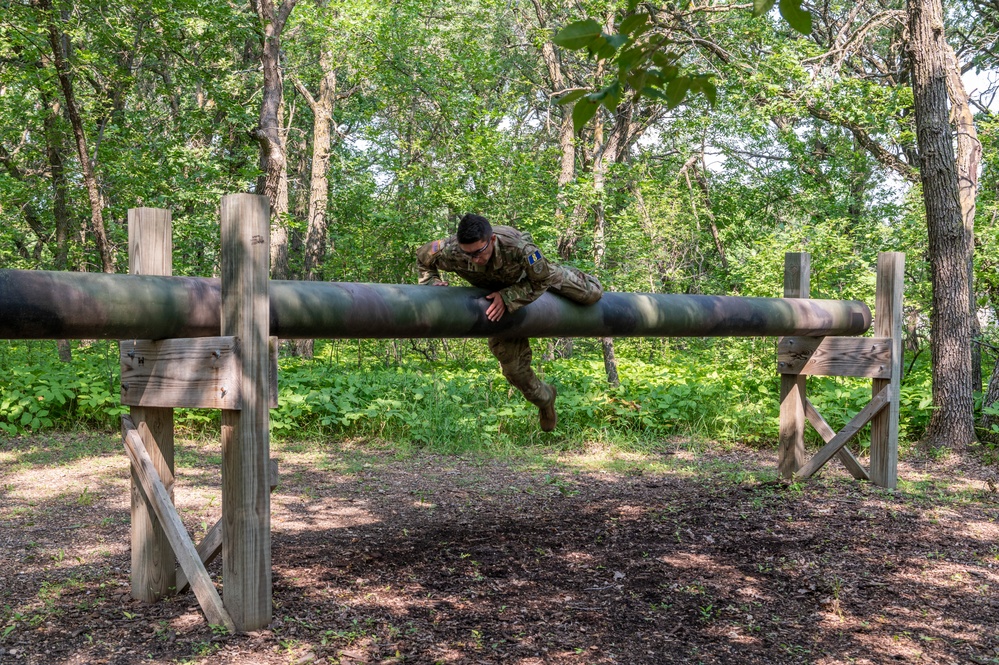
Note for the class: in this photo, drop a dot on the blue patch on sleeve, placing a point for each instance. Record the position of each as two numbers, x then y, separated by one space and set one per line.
535 257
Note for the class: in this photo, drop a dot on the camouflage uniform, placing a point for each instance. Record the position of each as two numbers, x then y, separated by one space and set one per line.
520 273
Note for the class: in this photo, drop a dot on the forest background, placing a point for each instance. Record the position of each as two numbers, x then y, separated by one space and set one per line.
372 127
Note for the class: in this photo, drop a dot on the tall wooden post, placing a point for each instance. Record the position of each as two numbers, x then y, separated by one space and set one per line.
246 513
791 447
150 252
888 323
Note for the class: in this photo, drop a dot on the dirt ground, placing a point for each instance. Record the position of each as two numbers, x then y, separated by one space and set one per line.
690 554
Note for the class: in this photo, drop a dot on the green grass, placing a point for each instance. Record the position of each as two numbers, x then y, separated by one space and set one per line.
693 389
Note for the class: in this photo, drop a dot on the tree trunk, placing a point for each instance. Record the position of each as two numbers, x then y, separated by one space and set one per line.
57 42
952 423
566 242
969 156
702 183
316 233
991 399
273 158
60 208
606 153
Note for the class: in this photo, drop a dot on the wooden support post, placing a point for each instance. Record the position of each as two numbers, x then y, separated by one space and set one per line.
888 323
791 448
161 504
150 252
211 545
246 515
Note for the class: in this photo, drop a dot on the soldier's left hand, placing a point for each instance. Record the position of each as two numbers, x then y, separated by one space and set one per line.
497 308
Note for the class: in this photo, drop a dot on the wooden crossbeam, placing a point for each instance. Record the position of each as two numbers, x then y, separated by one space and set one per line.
196 372
159 500
828 434
211 545
880 401
835 356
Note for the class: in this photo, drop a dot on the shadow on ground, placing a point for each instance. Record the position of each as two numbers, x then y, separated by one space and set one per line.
683 555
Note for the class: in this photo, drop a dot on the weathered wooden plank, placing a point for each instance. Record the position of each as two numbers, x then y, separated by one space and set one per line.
848 432
198 372
211 545
187 556
884 428
835 356
828 434
150 252
791 436
192 372
246 511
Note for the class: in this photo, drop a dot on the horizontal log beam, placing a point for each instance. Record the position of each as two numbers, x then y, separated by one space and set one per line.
38 304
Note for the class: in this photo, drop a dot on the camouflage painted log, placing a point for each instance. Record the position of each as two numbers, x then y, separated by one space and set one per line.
69 305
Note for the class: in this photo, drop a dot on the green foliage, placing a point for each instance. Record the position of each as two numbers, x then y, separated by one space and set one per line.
648 61
724 390
642 62
40 393
791 10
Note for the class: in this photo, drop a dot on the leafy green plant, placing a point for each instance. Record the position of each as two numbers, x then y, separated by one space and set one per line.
716 390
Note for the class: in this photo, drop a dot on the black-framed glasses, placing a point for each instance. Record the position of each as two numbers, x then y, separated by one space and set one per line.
479 251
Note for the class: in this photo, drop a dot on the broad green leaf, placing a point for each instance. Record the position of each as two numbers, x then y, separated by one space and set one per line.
581 114
710 91
761 7
632 22
627 59
702 83
676 91
602 49
664 60
571 96
637 80
610 96
653 93
578 35
617 41
798 18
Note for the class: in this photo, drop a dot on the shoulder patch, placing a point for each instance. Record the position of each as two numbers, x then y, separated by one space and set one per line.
435 246
534 257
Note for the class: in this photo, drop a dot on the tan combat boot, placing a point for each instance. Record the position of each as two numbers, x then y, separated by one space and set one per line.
547 415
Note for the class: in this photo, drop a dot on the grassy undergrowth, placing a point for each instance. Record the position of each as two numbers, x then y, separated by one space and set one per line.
453 399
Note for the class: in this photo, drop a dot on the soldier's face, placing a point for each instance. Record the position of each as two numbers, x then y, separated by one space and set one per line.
480 251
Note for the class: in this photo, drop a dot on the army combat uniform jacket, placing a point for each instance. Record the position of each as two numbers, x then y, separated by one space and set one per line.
520 273
517 269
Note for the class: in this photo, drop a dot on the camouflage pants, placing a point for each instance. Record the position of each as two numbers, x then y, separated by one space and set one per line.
576 285
514 355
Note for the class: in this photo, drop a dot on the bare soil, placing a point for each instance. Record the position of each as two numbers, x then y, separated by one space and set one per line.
690 554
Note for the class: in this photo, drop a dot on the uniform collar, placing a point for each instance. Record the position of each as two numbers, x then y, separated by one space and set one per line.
496 260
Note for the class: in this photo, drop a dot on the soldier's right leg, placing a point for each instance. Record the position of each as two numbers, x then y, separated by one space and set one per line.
579 286
514 356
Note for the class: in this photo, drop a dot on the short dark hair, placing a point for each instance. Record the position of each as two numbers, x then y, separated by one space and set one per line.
473 228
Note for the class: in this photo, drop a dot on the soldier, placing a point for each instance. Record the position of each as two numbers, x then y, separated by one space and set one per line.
507 263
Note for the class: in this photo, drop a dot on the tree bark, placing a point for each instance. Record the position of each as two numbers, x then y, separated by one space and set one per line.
59 54
568 236
273 158
322 144
702 182
952 422
60 207
606 153
969 157
991 399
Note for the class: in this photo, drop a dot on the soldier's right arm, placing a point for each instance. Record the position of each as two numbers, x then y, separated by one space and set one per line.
427 263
